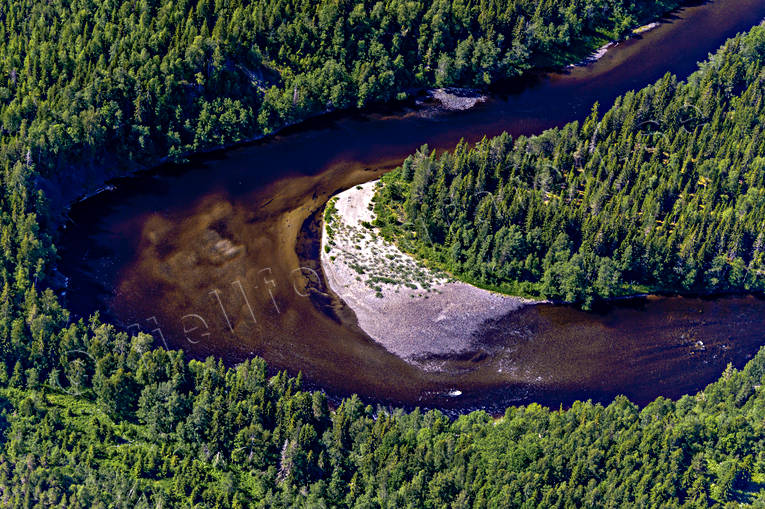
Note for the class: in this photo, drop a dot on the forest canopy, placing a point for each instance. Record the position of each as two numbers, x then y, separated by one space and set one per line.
665 191
149 79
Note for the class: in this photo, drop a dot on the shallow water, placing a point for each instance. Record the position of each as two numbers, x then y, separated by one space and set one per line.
218 257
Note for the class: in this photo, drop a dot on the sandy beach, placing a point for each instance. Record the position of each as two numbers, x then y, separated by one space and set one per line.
411 310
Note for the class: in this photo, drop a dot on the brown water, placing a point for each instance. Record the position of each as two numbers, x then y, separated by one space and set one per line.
218 257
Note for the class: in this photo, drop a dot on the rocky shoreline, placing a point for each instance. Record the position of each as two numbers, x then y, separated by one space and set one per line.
456 99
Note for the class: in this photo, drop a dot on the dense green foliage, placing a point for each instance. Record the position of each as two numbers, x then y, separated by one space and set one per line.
152 78
665 191
90 417
150 430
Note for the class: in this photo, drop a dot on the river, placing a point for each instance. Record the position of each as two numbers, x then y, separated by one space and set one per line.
219 256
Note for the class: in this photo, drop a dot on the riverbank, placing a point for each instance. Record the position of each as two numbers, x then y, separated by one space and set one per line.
603 49
427 101
413 311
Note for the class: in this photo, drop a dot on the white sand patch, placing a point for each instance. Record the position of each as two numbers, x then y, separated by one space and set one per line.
645 28
411 310
594 56
600 52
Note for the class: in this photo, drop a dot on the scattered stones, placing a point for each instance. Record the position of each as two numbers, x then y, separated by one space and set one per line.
457 99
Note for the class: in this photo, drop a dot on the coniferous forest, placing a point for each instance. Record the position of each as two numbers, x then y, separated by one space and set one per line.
93 417
153 79
663 191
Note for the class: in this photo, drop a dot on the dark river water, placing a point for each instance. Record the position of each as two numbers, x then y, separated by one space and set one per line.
219 256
